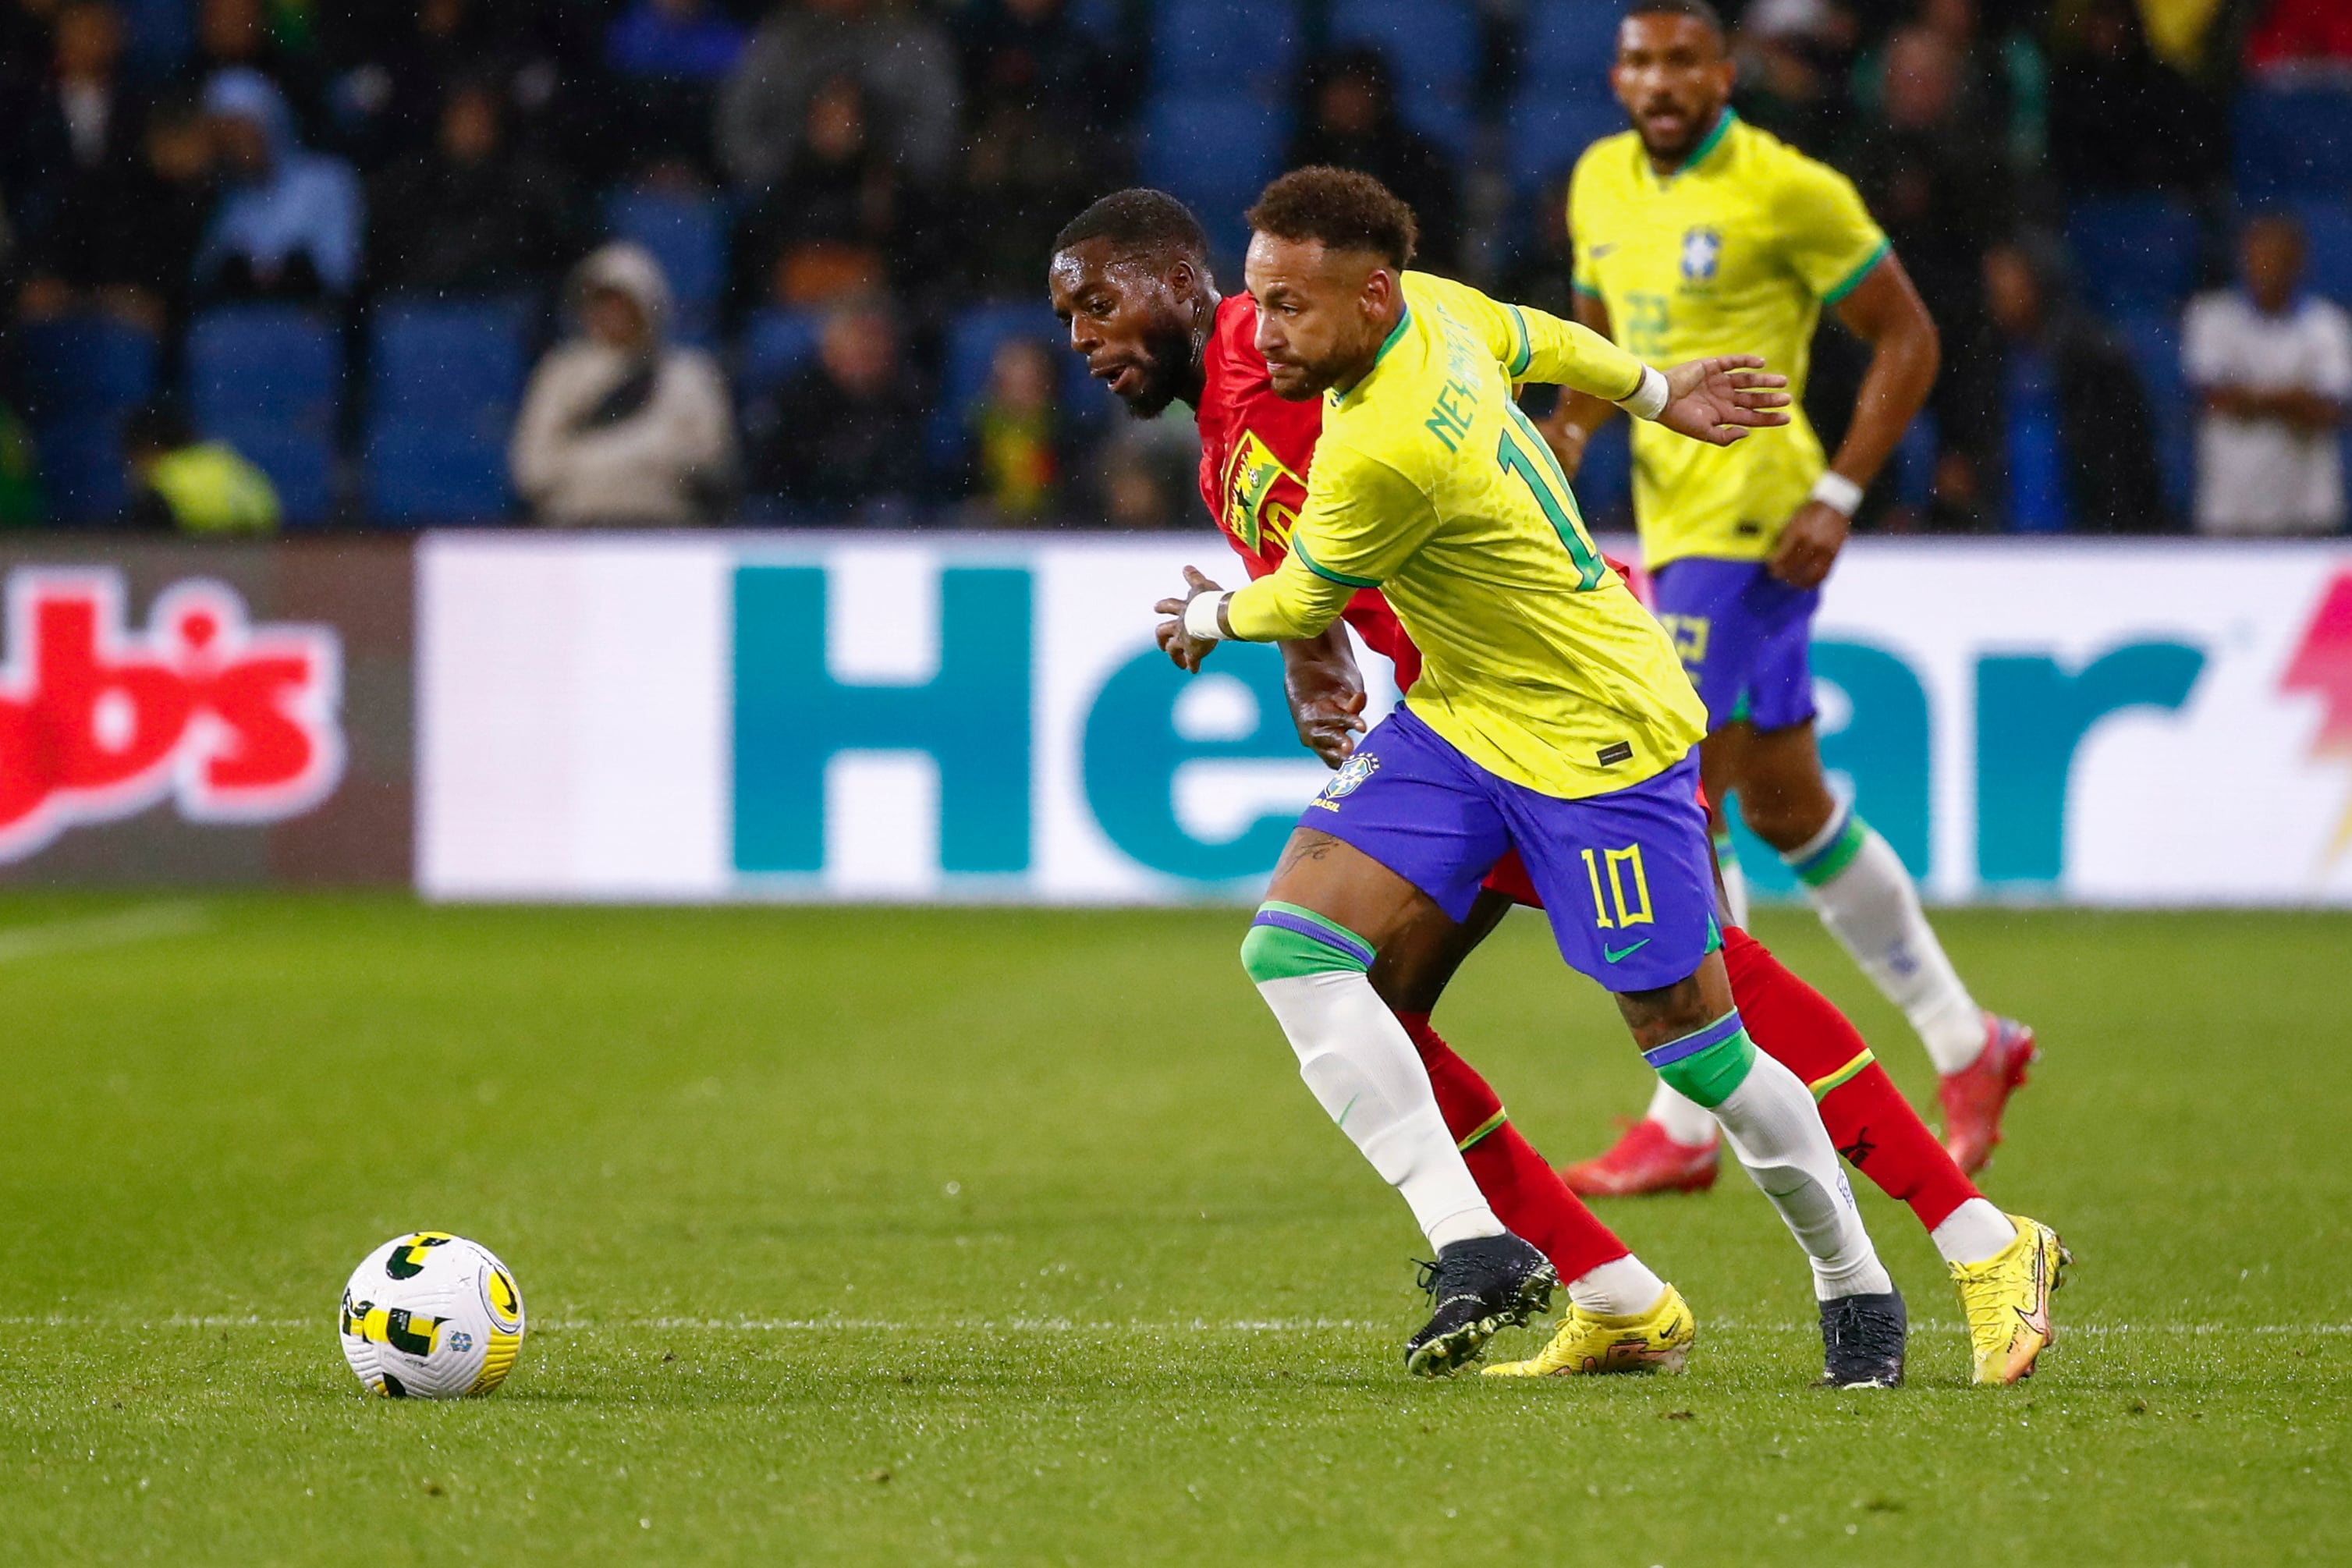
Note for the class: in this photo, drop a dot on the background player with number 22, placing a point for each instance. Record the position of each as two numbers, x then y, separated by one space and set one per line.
1130 276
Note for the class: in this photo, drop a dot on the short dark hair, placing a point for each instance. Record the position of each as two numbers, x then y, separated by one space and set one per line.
1700 9
1344 209
1139 221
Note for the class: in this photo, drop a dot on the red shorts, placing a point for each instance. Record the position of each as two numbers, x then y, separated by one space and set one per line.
1509 876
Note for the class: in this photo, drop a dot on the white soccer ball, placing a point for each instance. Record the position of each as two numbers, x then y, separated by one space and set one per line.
431 1316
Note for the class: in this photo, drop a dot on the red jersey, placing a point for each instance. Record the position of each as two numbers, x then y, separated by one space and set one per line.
1255 451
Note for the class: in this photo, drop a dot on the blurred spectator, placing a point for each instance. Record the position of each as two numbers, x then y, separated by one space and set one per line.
2120 119
1348 117
670 56
1022 176
1018 436
903 61
239 35
2078 446
1794 58
395 61
1940 185
837 442
619 426
25 41
183 485
1029 56
470 215
2303 39
127 242
288 224
840 222
2272 367
82 122
1147 471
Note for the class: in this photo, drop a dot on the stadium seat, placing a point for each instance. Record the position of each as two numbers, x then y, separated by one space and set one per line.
443 382
82 375
2290 143
1604 482
1571 44
161 34
1431 46
2134 253
2153 337
1224 45
776 343
2327 228
1551 127
1216 153
687 234
266 378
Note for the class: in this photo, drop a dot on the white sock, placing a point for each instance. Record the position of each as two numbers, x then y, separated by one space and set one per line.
1362 1068
1871 906
1617 1289
1685 1120
1973 1232
1774 1128
1735 882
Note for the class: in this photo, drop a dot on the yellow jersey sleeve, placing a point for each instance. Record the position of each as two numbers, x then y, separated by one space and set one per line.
1363 520
1826 232
1535 345
1582 200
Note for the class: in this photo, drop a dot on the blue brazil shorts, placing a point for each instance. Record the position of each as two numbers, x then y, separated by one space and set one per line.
1625 878
1743 635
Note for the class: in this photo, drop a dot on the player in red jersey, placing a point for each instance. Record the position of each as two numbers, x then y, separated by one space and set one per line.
1129 276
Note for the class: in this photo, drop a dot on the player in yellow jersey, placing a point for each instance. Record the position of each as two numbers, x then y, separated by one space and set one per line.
1695 233
1551 717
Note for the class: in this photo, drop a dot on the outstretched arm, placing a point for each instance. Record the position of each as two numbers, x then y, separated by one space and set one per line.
1885 312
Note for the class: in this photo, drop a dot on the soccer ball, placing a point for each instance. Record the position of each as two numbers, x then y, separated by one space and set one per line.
431 1316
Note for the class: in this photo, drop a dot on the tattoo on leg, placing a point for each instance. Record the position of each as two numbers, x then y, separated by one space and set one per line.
1306 843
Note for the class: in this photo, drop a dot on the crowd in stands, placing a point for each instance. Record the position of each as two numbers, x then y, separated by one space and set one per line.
389 263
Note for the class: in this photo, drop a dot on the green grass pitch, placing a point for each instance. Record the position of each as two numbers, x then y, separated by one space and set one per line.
936 1236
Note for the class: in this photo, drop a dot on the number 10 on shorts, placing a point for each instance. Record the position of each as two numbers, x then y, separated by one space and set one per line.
1622 868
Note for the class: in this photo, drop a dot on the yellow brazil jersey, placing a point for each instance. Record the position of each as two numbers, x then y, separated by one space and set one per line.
1429 483
1736 252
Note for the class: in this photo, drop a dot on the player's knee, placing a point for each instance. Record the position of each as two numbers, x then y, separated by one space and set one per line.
1783 818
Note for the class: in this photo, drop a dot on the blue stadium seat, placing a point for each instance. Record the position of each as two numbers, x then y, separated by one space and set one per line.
1551 128
2290 143
1224 45
443 382
687 234
1571 44
2153 337
1216 153
2134 253
776 343
1431 46
2327 227
162 34
266 378
82 375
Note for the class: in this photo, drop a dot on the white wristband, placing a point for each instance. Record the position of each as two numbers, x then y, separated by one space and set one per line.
1201 617
1837 493
1648 400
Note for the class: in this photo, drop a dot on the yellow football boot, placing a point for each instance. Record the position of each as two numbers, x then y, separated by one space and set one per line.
1655 1341
2007 1300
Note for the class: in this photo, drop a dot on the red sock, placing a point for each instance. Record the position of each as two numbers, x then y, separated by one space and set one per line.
1524 1192
1869 1121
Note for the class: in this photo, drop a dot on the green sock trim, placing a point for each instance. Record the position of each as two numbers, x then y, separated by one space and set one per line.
1274 953
1483 1129
1825 863
1709 1077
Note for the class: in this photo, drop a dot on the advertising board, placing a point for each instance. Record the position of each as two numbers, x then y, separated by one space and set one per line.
831 717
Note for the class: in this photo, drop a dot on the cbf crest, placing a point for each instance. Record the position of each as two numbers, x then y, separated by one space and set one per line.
1702 254
1348 779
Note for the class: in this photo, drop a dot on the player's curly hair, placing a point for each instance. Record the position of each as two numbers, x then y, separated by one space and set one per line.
1344 209
1139 221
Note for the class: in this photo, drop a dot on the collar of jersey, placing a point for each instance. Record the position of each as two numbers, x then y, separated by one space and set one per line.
1700 153
1404 320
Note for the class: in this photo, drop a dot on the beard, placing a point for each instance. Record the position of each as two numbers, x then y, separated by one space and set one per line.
1167 357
